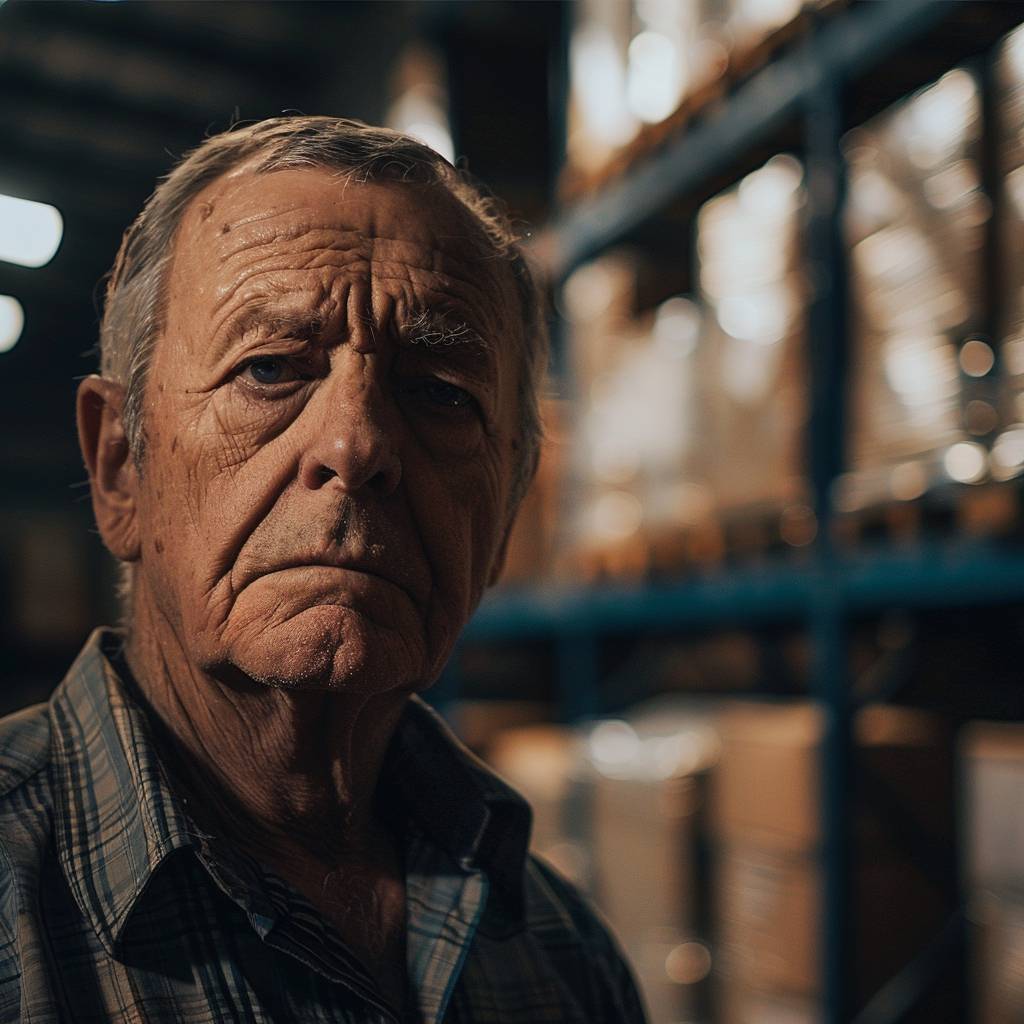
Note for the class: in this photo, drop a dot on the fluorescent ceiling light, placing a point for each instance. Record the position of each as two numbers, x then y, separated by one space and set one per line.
29 232
12 320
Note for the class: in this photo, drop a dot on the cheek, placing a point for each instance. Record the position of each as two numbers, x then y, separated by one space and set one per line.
459 505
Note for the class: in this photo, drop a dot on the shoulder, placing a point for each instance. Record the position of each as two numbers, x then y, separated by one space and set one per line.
25 815
24 747
581 947
25 792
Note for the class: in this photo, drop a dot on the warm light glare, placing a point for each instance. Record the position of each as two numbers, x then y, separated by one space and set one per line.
965 462
599 85
976 358
655 82
29 232
12 320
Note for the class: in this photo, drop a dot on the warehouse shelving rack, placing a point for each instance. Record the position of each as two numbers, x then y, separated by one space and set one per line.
816 86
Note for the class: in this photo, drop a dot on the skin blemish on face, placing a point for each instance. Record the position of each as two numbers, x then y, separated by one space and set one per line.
204 210
225 228
158 544
174 444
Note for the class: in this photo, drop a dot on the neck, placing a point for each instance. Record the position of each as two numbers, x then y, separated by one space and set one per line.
283 773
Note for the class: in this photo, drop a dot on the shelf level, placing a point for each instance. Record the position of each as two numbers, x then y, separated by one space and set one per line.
848 46
924 576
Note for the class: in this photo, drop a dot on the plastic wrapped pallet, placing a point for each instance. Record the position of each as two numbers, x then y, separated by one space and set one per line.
752 288
916 218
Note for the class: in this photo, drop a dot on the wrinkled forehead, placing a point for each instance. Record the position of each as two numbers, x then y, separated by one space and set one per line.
396 231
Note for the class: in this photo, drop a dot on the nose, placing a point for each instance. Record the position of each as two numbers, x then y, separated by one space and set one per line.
353 449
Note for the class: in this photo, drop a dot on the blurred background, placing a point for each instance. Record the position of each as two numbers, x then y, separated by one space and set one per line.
756 658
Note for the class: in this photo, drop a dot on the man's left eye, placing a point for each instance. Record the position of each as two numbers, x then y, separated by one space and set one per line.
269 370
441 393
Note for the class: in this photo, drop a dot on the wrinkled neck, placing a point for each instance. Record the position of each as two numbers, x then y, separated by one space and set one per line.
281 772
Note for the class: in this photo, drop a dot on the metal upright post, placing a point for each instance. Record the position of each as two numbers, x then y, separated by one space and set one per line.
827 351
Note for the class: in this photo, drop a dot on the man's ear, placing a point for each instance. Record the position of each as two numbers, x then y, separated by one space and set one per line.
113 477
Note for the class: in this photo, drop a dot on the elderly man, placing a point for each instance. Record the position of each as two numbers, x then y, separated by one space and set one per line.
316 417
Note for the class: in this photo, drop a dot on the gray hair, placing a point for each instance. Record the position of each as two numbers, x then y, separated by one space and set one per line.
136 295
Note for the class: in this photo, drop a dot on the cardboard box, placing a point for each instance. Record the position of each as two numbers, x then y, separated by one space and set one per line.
764 1008
767 873
993 760
996 936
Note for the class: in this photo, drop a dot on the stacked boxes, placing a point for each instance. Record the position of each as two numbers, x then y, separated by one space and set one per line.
993 760
752 289
616 808
1007 458
639 444
768 876
916 218
690 416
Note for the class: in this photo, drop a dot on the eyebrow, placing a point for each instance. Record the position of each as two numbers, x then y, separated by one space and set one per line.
436 333
445 335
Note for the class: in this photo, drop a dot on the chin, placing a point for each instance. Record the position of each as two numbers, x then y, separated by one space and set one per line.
328 648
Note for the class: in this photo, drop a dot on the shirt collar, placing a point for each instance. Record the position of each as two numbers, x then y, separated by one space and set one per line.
459 803
117 818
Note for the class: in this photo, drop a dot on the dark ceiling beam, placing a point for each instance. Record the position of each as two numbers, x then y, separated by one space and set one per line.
145 27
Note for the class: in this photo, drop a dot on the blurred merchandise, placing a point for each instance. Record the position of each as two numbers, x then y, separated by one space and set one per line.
532 547
1007 459
480 723
993 762
690 417
755 375
916 219
760 1008
617 806
640 67
997 958
766 821
648 791
545 764
639 449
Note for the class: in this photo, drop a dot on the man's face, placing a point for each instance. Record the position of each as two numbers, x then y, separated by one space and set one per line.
331 429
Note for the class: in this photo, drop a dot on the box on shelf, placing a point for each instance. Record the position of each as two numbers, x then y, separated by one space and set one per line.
764 1008
996 936
689 423
532 547
992 754
766 819
752 291
639 450
916 221
616 808
1007 456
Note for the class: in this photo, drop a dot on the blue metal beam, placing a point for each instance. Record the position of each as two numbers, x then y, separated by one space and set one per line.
861 39
924 576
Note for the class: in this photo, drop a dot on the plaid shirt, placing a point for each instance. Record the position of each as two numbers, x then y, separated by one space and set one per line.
114 906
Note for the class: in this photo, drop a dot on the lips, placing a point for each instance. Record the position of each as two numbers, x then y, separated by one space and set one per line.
377 566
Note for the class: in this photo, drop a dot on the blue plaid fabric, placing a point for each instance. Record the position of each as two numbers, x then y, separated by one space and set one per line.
115 907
